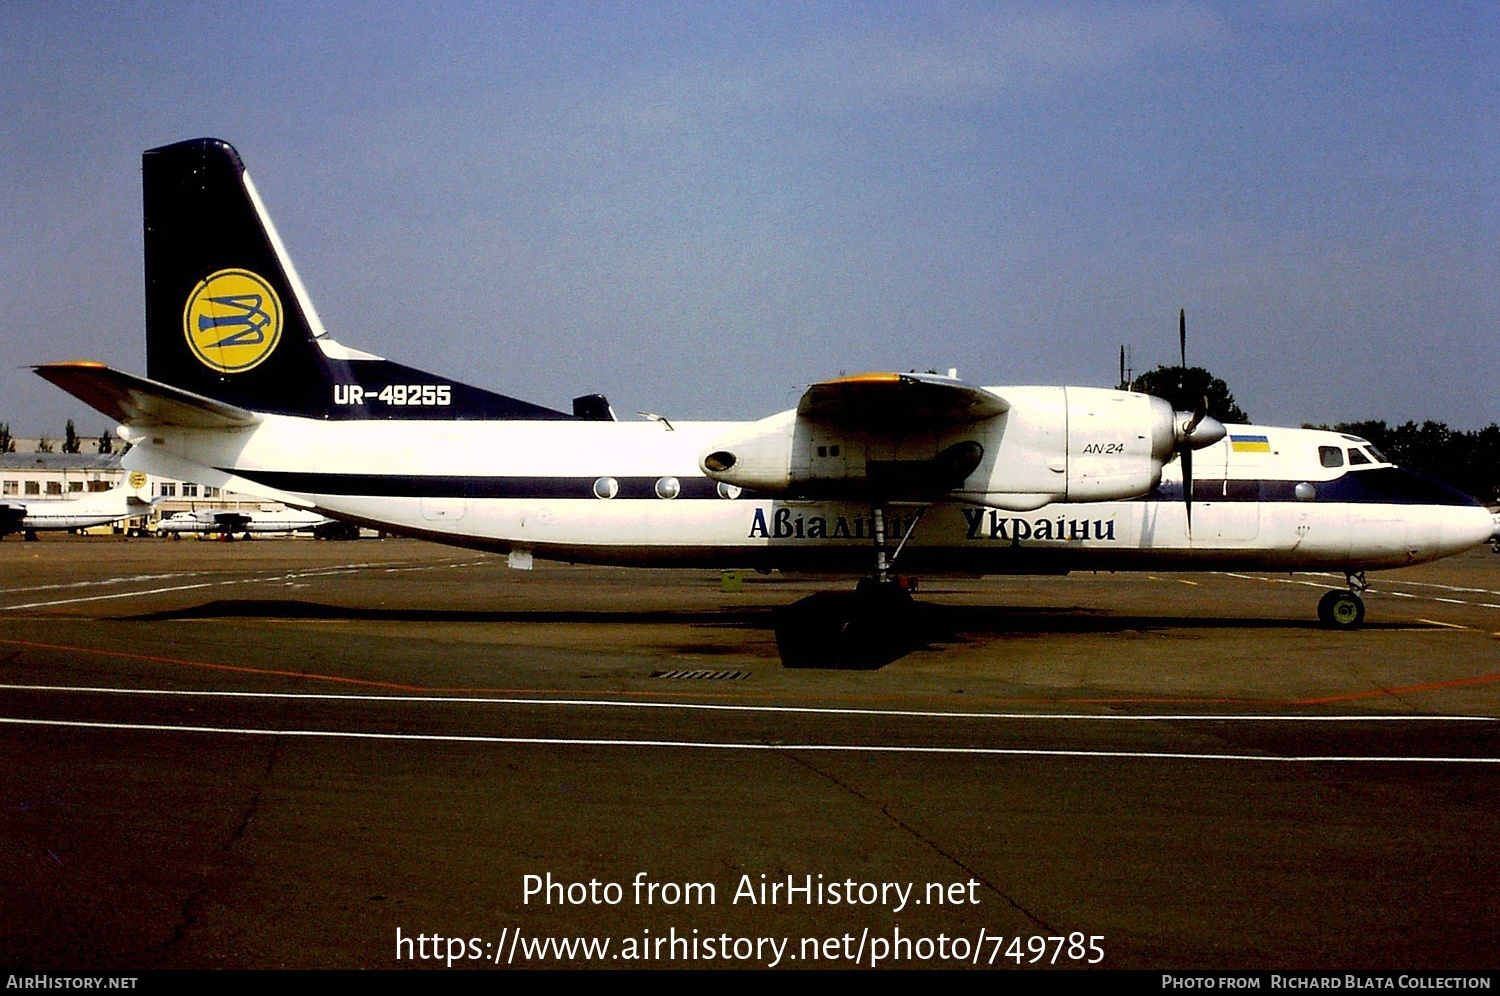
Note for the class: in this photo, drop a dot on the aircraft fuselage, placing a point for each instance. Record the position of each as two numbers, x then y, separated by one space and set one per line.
633 493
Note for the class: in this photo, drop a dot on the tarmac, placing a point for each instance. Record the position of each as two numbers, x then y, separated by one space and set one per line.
290 753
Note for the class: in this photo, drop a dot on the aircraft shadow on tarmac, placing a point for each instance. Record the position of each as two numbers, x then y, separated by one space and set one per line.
824 630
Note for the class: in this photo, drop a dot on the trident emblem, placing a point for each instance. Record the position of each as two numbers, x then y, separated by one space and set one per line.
251 316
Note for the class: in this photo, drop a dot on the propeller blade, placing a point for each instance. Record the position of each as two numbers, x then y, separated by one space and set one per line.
1199 414
1182 335
1187 486
1122 364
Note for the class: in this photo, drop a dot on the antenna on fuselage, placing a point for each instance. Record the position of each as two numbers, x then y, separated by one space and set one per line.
1127 371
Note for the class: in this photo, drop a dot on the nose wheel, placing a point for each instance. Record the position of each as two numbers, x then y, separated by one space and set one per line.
1344 609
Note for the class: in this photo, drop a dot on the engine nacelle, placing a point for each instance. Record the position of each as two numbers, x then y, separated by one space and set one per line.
1117 443
1054 444
757 455
799 457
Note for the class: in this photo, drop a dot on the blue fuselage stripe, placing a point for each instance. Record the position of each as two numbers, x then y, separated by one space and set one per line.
1381 486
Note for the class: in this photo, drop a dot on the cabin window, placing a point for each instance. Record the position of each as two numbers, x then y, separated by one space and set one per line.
1331 456
668 487
1356 458
606 488
728 491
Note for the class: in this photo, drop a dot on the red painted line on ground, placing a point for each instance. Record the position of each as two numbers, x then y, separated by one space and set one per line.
657 693
1428 687
217 667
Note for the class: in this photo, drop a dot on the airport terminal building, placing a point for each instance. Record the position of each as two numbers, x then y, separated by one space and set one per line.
29 475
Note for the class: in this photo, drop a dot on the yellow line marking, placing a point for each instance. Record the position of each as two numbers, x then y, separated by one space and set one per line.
1434 622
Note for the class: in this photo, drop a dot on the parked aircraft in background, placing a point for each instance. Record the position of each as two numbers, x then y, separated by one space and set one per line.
246 391
231 522
96 508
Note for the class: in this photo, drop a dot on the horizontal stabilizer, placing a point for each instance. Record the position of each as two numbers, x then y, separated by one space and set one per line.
133 400
884 400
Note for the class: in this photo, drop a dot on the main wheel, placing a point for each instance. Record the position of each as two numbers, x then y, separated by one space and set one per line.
1341 610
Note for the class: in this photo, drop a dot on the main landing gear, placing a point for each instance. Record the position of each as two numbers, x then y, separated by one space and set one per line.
1344 609
870 628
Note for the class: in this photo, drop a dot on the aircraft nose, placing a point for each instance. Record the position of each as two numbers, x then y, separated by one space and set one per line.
1465 528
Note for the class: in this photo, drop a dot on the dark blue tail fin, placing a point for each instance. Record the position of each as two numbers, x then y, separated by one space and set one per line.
228 318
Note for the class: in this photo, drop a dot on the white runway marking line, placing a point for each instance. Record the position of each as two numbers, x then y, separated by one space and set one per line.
749 746
790 710
101 581
313 573
1374 591
1414 584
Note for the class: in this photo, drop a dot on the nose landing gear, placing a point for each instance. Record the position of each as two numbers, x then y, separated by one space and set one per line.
1344 609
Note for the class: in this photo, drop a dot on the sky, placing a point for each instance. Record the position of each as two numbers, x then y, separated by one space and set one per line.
699 208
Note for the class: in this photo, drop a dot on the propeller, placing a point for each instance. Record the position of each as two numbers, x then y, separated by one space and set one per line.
1195 429
1187 441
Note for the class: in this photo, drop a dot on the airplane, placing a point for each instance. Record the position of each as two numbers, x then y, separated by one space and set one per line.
227 522
98 508
245 390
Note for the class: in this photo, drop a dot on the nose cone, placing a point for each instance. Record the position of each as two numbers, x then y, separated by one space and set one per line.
1465 528
1208 431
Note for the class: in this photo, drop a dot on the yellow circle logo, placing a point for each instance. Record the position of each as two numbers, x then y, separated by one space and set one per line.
137 480
232 321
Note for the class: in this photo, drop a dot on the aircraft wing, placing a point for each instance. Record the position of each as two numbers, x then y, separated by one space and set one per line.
133 400
898 400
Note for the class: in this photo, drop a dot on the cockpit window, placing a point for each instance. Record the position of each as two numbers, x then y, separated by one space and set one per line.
1332 456
1356 458
1379 456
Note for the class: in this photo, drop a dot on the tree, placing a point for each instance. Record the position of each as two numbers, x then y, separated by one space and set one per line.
44 445
106 442
71 442
1186 387
7 441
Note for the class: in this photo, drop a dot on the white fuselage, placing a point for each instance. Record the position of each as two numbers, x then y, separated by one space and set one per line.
284 520
538 487
96 509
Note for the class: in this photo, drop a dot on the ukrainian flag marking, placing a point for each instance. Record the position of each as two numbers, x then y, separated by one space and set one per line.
1250 444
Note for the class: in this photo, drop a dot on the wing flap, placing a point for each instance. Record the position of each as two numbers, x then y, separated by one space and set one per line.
883 400
133 400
